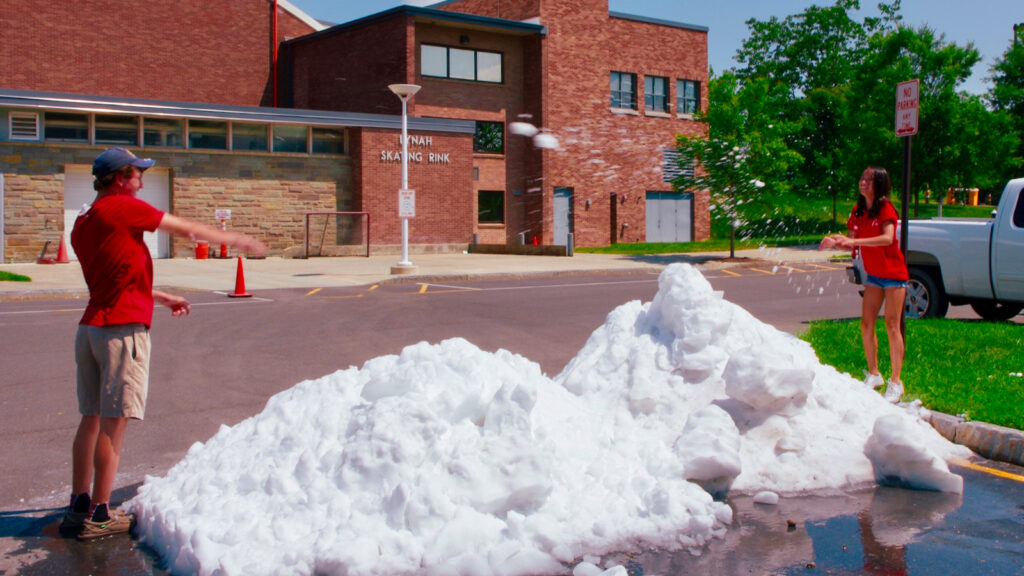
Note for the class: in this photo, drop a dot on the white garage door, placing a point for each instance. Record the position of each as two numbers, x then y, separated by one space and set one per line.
78 192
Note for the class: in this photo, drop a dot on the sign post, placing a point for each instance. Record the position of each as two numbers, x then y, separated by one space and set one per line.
907 101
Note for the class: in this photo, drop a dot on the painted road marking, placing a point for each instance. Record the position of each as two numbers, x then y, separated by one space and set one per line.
506 288
987 470
313 291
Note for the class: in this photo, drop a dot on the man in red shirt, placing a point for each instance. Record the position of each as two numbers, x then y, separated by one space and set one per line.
112 344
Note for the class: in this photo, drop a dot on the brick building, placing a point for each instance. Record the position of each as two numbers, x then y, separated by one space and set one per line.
270 115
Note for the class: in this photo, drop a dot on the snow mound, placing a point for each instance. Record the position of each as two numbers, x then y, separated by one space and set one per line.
446 459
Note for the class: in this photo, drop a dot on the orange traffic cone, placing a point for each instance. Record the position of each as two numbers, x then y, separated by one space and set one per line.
240 283
62 252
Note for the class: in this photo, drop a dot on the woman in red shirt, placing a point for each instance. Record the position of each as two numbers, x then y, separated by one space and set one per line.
872 226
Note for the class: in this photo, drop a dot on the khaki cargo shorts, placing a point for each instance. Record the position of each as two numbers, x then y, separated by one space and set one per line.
113 370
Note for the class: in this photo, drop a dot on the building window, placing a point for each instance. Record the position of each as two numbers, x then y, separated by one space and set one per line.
488 67
162 132
623 90
328 140
434 61
66 127
249 137
490 207
23 126
460 64
289 138
118 130
687 96
208 134
489 138
656 94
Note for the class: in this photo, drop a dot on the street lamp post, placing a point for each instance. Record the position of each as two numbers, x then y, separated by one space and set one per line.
404 92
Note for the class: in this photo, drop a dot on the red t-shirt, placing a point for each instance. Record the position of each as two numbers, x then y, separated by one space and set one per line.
881 261
118 269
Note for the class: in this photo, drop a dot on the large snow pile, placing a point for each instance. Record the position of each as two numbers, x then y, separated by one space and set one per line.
446 459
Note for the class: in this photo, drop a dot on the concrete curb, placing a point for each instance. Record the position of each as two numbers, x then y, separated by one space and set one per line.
988 440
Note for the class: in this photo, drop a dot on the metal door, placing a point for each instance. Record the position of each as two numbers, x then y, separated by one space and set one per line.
562 225
669 217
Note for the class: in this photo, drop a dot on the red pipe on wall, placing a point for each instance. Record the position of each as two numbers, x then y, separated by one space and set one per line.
273 64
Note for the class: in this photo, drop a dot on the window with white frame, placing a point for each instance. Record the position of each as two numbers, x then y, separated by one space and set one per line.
687 96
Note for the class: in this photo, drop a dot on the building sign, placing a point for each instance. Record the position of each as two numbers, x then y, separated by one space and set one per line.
907 101
406 203
416 156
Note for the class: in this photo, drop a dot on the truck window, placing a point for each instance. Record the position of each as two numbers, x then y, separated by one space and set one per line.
1018 211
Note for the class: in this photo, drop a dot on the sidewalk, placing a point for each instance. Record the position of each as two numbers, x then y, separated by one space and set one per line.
187 274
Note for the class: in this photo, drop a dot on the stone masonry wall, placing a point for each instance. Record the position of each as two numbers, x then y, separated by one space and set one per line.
268 194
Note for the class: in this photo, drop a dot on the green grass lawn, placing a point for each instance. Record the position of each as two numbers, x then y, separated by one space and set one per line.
969 368
12 277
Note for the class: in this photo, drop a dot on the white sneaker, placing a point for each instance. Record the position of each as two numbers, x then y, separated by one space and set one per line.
894 392
873 381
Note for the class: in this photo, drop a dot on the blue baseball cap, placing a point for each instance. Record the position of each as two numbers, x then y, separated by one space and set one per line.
113 159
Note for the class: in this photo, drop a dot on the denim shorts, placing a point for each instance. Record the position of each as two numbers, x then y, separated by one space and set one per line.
884 283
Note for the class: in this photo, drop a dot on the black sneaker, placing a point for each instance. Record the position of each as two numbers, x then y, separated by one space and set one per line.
75 516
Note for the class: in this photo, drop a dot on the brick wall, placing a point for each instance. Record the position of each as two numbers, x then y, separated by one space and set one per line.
349 69
607 153
186 50
445 200
506 9
268 194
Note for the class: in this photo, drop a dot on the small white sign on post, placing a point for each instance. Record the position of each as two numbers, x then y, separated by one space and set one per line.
907 100
406 203
222 214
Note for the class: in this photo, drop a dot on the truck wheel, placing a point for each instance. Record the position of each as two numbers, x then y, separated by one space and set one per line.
996 311
925 297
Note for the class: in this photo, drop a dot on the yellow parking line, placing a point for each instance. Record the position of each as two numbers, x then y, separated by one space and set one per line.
797 270
730 272
313 291
824 266
768 272
423 288
374 287
987 470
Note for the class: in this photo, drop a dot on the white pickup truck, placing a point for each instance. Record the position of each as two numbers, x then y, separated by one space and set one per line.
969 261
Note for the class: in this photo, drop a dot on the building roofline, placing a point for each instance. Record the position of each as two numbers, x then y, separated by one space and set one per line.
24 99
511 26
658 21
300 14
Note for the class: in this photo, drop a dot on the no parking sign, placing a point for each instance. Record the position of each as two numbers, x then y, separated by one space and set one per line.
907 99
406 203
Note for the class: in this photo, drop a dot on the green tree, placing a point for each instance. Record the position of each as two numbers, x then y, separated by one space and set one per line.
744 149
1007 98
